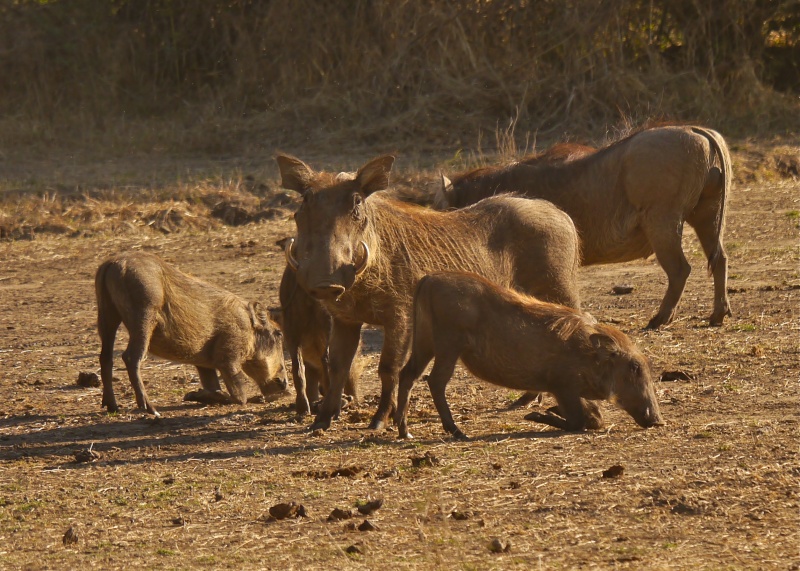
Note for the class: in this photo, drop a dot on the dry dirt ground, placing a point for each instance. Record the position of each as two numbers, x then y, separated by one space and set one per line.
717 488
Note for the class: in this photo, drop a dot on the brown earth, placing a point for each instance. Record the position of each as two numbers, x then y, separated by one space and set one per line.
717 488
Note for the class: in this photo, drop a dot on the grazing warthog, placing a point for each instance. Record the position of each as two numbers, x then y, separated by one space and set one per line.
516 341
629 200
179 317
306 330
361 254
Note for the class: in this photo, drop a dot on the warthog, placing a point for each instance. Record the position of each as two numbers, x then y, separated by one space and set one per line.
516 341
179 317
306 330
629 200
361 254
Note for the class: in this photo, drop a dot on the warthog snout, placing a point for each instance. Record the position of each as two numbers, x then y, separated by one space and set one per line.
327 291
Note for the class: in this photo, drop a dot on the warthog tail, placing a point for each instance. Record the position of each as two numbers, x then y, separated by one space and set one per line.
726 170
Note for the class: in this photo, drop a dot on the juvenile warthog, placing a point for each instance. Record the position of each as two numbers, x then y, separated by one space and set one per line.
629 200
306 330
361 254
516 341
179 317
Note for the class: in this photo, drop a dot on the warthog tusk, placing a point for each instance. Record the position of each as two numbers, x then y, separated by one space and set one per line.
290 259
363 265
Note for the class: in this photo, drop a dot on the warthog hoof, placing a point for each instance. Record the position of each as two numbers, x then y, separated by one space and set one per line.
716 319
377 423
320 424
460 436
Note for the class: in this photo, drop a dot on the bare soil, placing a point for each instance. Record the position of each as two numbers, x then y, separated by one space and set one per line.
717 488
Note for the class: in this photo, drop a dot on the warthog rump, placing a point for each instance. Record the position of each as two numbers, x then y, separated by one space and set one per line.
179 317
629 200
516 341
361 254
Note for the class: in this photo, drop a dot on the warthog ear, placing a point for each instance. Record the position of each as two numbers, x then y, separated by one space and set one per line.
295 174
605 347
258 315
441 200
374 175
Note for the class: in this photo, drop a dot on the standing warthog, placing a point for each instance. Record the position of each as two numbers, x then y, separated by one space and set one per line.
516 341
306 330
361 254
179 317
629 200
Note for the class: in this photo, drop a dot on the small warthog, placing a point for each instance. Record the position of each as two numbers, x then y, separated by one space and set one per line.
306 330
516 341
628 200
361 254
179 317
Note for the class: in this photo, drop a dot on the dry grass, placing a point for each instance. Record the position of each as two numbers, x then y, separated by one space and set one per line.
714 489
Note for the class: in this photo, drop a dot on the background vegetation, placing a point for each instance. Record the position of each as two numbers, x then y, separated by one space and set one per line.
220 75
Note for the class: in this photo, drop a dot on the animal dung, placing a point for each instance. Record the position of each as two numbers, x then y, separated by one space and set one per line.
497 545
368 507
286 510
86 455
367 525
88 380
339 514
622 289
428 460
70 536
614 471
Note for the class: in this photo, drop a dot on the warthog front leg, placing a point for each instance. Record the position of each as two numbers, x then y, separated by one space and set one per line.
343 346
572 414
396 345
211 391
420 357
441 373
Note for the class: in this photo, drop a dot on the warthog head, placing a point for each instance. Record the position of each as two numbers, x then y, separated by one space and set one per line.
626 376
331 248
266 366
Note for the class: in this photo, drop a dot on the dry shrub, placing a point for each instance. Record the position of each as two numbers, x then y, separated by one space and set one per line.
428 71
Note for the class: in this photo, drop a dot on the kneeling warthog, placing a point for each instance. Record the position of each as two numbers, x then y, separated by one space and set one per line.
361 254
628 200
306 328
179 317
516 341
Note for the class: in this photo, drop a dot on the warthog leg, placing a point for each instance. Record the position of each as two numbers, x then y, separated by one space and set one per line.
420 357
594 418
343 346
665 238
211 393
107 324
526 399
573 413
703 219
441 373
133 356
396 345
302 406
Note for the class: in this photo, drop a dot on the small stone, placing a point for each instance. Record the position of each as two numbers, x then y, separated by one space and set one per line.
368 507
86 455
218 495
499 546
614 471
355 549
339 514
179 521
367 526
669 376
428 460
88 380
70 536
621 289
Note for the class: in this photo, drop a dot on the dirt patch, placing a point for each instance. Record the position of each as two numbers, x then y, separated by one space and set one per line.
715 488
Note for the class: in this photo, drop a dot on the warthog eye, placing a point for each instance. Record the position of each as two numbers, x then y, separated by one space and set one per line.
357 212
635 367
